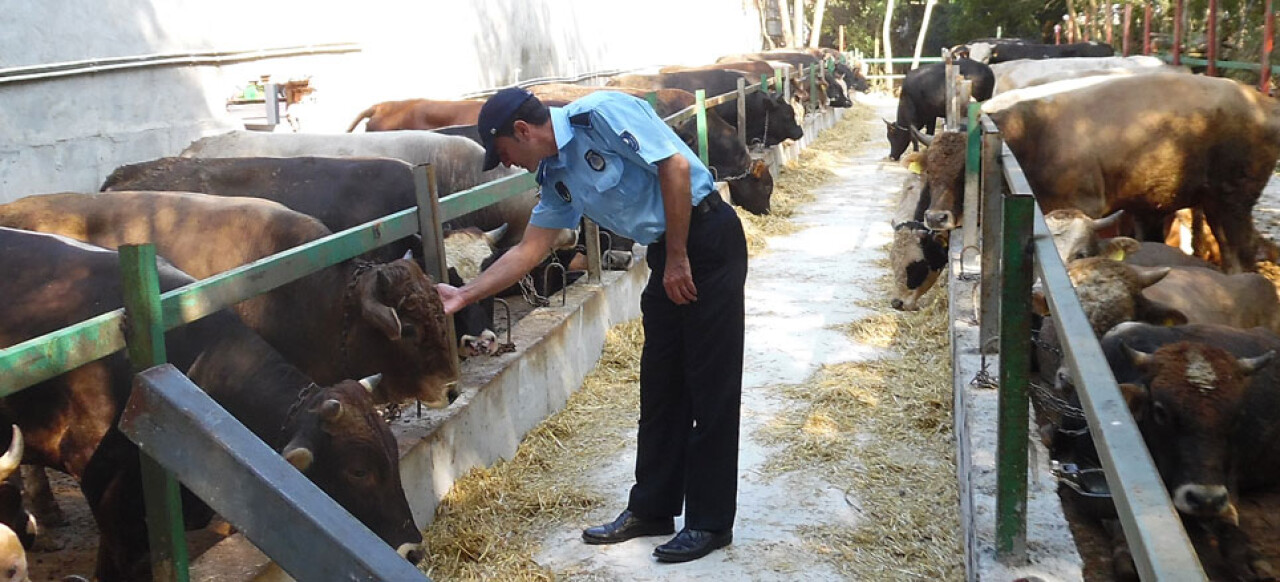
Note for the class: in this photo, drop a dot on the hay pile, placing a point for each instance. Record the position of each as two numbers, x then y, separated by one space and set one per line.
486 527
893 415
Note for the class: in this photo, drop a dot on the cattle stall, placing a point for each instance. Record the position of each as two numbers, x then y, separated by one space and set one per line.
995 289
182 306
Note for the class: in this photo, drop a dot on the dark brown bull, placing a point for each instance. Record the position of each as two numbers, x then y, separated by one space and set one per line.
332 434
769 119
351 319
750 183
418 114
1205 142
1208 419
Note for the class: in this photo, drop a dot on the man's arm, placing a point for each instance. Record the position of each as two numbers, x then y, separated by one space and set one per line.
508 269
677 204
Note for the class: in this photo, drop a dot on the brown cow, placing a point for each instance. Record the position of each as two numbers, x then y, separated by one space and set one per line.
418 114
1208 419
332 434
1112 292
349 320
1107 146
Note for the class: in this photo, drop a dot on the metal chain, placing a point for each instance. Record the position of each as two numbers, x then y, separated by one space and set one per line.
1048 399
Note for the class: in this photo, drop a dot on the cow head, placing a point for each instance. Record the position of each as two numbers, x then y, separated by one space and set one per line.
837 93
752 188
337 439
1187 412
1110 293
750 183
1075 234
899 137
944 160
853 79
917 258
400 332
465 249
779 123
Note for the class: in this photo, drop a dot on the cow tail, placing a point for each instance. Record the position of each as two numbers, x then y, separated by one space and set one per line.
366 114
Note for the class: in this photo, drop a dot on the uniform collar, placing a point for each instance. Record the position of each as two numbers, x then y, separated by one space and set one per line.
564 133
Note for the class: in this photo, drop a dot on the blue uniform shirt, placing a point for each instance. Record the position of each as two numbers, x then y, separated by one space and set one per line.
609 143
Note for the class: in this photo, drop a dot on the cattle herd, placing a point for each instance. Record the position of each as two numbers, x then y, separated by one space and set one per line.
1122 146
308 365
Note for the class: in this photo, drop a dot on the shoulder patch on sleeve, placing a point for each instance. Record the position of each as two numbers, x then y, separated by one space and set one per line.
630 140
581 120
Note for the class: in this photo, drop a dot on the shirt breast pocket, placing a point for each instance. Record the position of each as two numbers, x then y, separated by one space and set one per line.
606 169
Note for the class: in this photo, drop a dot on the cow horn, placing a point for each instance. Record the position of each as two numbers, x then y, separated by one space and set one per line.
1150 277
1247 365
13 457
1107 221
493 236
887 122
1139 358
371 383
330 410
921 136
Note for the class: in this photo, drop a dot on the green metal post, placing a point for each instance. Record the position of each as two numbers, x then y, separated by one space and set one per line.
144 337
777 79
1015 371
764 83
972 177
652 97
701 96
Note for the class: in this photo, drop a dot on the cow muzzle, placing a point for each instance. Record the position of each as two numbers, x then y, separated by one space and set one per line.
1205 501
414 553
939 219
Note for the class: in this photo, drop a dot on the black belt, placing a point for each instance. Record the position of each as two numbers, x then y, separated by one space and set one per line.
711 202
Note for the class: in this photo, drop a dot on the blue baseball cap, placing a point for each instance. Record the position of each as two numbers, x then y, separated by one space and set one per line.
494 116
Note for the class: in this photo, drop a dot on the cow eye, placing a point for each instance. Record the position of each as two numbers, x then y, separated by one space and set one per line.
1160 414
358 473
408 330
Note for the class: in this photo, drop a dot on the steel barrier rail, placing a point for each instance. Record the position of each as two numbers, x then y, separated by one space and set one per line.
1160 547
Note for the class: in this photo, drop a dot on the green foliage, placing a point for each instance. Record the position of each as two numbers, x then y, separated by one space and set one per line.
956 21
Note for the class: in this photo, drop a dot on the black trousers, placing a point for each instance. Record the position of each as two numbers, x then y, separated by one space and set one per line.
691 380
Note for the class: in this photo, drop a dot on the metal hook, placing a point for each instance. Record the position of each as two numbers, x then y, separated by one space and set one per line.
564 281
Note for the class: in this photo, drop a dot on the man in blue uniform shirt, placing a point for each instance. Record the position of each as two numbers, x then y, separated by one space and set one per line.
610 157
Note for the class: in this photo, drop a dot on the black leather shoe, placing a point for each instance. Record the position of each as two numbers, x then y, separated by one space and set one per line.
691 544
627 526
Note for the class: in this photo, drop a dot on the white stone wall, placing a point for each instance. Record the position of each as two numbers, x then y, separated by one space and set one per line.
67 134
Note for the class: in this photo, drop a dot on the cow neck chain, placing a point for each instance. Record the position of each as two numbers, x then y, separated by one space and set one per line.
360 268
303 396
913 225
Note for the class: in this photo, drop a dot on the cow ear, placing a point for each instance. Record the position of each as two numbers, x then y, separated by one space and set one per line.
382 317
1039 304
1157 313
1119 247
1135 395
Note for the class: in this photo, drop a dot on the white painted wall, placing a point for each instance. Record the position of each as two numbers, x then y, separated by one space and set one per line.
68 134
